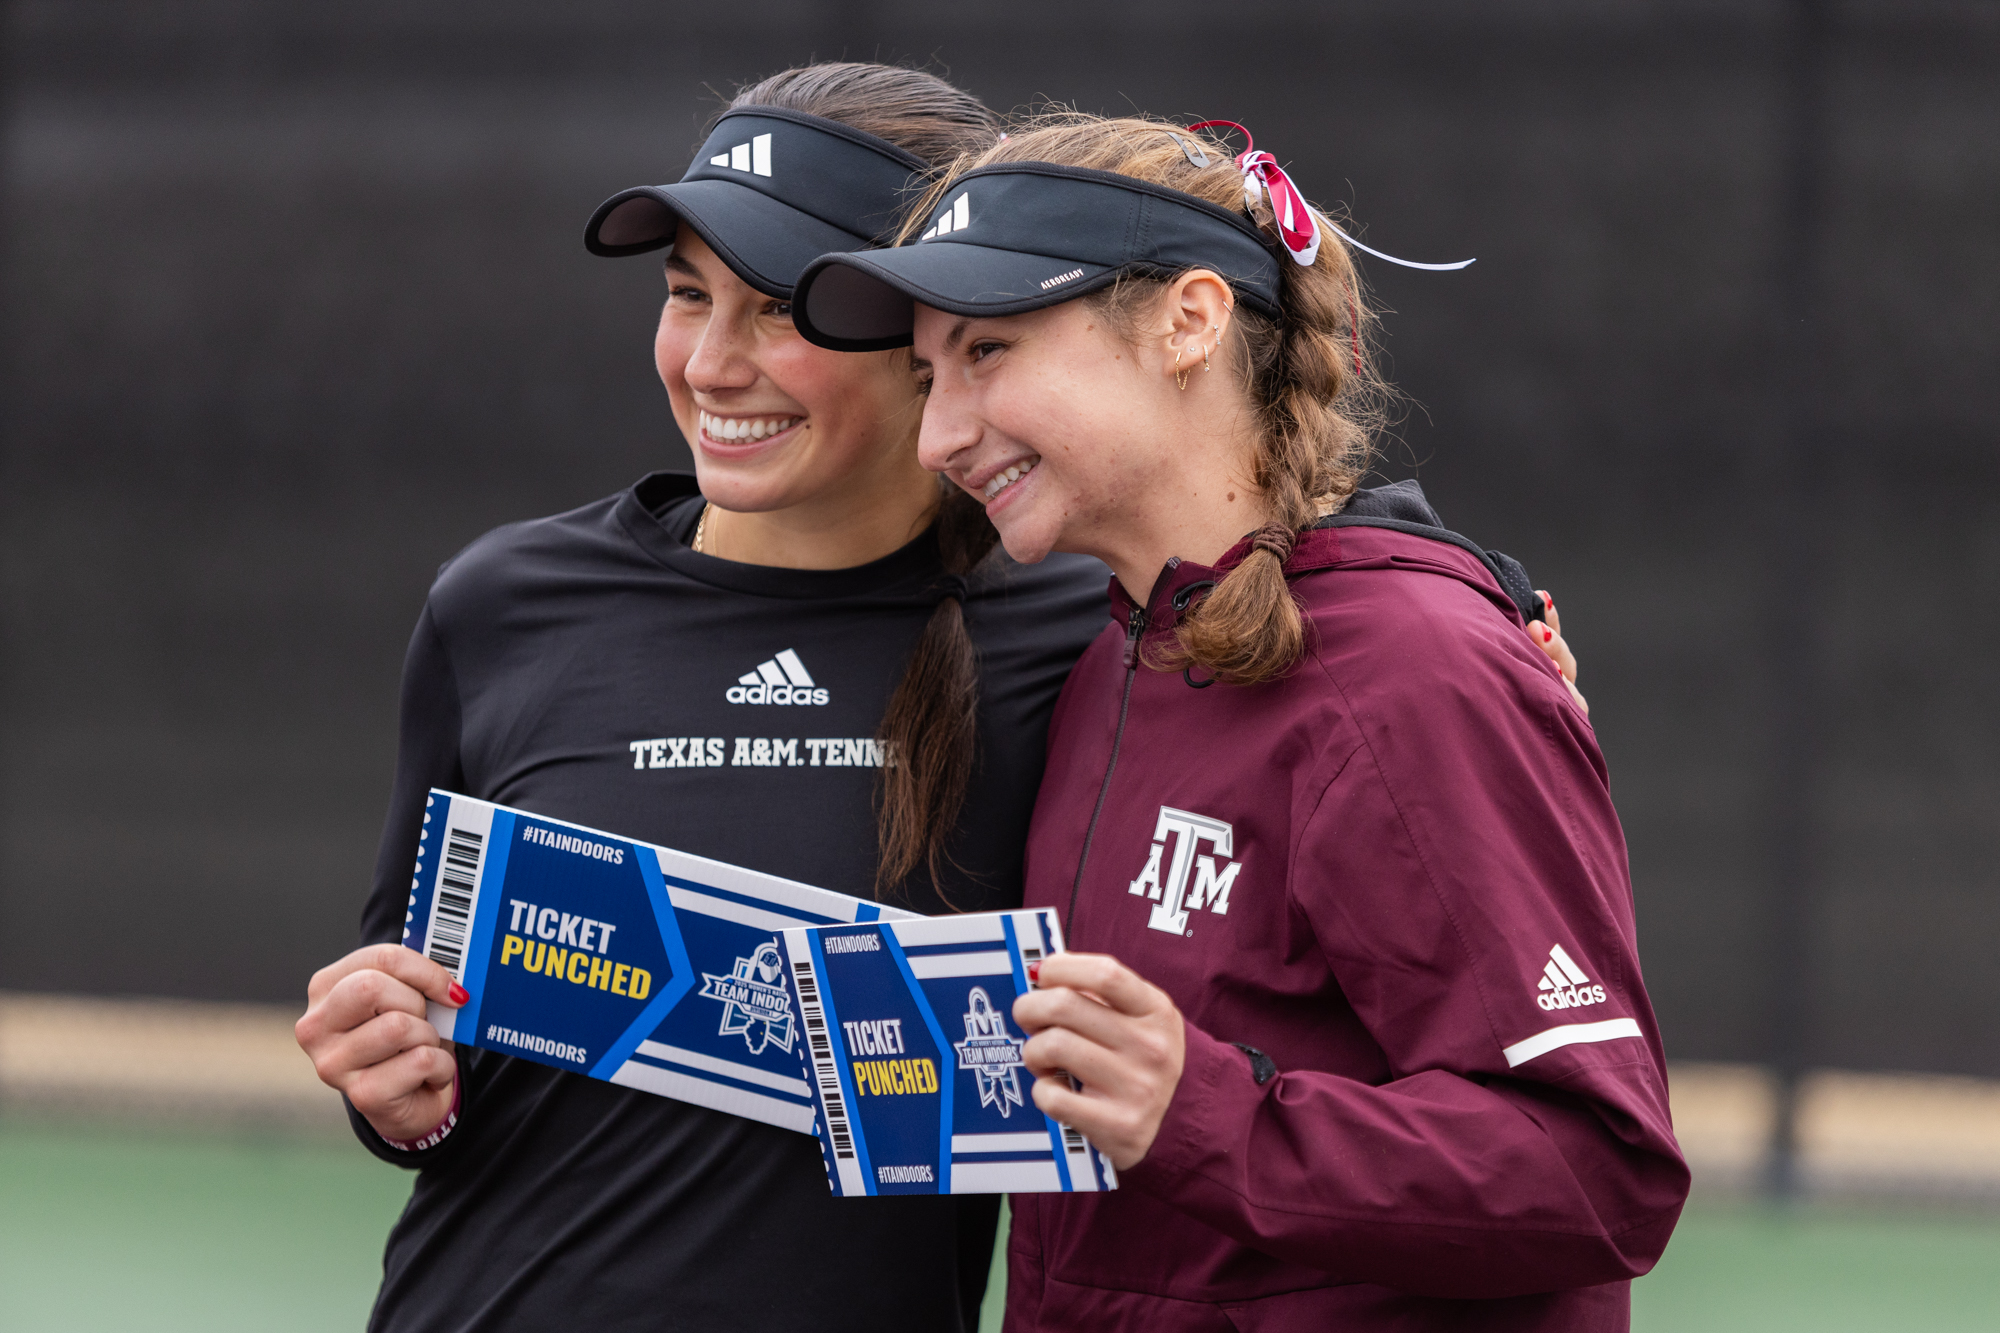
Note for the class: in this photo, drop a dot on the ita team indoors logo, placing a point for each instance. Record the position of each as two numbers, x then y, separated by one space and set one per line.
755 1005
993 1056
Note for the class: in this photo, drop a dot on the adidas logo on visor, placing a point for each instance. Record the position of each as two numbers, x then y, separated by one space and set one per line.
782 680
1563 984
753 157
957 217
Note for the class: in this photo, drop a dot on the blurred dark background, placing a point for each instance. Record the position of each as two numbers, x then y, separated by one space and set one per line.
296 305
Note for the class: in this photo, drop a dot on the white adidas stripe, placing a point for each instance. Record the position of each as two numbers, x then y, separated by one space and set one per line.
753 157
955 218
1567 964
784 669
1569 1034
794 668
1560 971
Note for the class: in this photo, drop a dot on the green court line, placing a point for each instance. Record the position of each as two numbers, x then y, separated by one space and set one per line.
102 1230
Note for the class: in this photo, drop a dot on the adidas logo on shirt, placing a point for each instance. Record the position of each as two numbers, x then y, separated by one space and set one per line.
1563 984
957 217
753 157
782 680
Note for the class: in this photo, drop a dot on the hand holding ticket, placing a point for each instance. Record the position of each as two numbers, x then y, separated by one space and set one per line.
916 1064
616 959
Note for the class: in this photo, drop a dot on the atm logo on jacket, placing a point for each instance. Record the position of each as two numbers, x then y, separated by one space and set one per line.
1213 876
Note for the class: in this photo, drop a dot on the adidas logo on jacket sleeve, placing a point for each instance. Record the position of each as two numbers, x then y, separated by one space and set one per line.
1563 984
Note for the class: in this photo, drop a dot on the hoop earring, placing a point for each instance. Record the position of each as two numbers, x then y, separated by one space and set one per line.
1181 376
1205 366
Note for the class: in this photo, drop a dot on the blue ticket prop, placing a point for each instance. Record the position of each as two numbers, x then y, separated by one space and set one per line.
624 961
915 1061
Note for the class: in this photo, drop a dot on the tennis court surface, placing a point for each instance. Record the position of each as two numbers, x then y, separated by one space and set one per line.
171 1165
108 1230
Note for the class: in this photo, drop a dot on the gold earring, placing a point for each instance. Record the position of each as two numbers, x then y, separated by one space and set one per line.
1205 366
1181 376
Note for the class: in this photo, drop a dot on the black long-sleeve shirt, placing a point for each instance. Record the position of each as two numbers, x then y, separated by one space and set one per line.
593 668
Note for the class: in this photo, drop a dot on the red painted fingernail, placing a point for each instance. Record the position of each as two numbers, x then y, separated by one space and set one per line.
459 994
1034 972
1547 634
1549 601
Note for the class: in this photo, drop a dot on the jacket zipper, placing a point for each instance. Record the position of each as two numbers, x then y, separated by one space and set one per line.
1135 625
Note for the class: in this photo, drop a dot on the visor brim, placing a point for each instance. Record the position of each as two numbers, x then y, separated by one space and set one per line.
764 241
867 302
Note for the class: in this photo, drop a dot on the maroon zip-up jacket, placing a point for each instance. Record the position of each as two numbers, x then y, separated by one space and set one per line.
1397 875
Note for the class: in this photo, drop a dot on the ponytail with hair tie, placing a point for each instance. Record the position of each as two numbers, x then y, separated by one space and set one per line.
1276 538
1248 629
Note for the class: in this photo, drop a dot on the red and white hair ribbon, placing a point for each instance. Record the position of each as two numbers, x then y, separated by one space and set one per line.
1298 224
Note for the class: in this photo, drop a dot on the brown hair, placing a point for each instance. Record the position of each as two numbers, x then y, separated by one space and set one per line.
1310 377
928 735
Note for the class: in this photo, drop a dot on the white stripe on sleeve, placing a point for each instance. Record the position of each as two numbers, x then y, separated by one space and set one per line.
1611 1029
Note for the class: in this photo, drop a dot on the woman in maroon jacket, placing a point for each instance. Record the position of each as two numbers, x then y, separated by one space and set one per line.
1355 992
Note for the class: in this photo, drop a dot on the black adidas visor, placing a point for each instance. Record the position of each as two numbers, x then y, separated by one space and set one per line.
769 191
1021 236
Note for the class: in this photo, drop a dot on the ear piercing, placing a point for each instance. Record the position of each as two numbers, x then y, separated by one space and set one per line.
1181 376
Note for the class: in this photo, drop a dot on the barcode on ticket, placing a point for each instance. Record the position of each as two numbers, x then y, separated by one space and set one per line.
457 895
825 1071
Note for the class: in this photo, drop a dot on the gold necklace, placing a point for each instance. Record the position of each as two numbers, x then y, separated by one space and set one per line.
701 527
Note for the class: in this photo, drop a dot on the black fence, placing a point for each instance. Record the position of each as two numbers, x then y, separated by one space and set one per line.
295 305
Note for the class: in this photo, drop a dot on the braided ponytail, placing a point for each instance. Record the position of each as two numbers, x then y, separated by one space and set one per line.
1310 378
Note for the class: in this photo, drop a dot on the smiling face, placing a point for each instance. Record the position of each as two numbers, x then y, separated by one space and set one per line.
776 423
1043 417
1077 436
